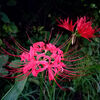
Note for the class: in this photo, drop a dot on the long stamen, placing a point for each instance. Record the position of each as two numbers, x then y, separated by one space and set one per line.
45 39
50 35
58 39
20 47
73 52
11 47
74 64
75 56
74 60
29 38
65 43
9 53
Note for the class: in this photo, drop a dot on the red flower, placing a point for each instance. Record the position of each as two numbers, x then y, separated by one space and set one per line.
43 57
66 24
84 27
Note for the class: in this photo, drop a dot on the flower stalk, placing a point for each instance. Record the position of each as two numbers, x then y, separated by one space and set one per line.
41 86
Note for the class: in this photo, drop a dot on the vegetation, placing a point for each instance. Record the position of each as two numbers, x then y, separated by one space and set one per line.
26 20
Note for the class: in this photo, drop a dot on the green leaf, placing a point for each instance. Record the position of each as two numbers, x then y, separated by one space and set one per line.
40 28
15 63
3 61
0 42
4 18
11 2
13 27
90 51
15 91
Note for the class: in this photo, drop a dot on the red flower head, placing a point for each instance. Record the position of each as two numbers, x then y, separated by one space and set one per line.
66 24
84 27
43 57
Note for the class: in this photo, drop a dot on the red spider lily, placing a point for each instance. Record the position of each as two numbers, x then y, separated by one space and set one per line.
83 27
66 24
43 57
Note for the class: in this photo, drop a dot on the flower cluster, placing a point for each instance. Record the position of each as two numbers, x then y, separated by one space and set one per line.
83 27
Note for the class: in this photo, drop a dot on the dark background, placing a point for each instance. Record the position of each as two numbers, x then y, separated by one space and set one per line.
43 12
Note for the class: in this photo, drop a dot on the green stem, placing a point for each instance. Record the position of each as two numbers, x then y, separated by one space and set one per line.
41 86
66 50
34 81
53 91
